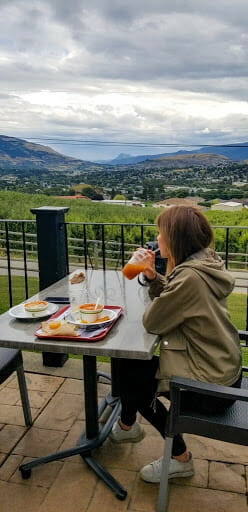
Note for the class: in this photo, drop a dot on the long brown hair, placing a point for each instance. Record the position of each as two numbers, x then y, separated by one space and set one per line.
185 231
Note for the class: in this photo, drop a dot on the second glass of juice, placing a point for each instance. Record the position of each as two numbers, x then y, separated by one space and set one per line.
136 264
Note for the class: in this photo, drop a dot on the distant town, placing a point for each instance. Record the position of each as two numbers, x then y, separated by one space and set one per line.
134 185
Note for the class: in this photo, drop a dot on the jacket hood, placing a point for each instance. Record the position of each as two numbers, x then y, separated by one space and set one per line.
211 269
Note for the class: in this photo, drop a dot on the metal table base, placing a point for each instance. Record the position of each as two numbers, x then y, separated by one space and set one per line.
94 434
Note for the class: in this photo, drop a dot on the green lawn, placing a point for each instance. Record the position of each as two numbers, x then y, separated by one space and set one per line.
236 301
18 290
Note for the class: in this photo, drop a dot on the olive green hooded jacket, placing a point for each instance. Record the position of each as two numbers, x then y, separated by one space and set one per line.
189 313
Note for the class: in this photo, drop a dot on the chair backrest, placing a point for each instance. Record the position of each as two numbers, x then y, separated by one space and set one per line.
230 425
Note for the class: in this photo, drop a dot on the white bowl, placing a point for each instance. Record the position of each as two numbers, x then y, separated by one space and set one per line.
88 313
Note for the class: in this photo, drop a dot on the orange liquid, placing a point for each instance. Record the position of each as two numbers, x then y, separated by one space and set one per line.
132 270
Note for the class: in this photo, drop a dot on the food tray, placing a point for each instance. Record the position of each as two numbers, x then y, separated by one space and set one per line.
86 337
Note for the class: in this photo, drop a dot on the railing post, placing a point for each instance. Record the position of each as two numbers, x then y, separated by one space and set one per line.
52 257
227 247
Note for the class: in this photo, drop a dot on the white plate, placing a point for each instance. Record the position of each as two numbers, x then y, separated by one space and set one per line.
20 312
75 319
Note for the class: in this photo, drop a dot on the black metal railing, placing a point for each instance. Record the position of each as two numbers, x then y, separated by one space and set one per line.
98 245
18 251
94 250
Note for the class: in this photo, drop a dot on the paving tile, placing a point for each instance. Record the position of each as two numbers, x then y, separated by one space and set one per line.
61 412
9 396
13 414
10 466
116 456
187 499
145 497
76 387
71 491
43 475
192 499
2 457
19 498
104 499
104 367
72 386
227 477
210 449
146 451
9 436
33 363
37 399
130 456
39 382
39 442
200 478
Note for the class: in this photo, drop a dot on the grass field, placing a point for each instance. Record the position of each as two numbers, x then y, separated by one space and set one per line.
236 302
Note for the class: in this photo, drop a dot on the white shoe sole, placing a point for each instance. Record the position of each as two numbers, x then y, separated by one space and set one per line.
179 474
136 439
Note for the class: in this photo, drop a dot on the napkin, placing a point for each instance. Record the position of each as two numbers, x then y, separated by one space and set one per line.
64 329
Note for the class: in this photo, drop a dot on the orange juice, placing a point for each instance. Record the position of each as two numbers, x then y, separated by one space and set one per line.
131 270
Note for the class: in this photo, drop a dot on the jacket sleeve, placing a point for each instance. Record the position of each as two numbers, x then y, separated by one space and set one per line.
170 309
156 286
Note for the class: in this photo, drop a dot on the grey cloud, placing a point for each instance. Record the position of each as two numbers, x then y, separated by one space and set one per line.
182 45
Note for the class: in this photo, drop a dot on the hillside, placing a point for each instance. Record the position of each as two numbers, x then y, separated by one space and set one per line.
182 161
236 152
20 154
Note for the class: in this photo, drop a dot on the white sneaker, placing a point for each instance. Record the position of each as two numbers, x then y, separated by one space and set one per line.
152 472
134 435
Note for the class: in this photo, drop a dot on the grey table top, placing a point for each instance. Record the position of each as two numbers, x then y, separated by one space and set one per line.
127 338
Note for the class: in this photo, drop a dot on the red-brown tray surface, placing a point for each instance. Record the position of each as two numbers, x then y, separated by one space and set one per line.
97 337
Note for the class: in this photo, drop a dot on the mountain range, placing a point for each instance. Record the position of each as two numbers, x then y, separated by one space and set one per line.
21 155
236 152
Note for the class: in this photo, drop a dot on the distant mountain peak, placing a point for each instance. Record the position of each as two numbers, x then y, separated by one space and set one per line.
237 152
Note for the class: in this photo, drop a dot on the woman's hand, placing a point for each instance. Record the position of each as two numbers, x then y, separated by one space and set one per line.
150 271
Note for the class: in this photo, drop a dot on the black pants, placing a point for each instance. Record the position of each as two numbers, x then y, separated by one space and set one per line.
137 390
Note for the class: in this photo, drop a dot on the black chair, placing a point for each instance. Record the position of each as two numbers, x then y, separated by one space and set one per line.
10 361
230 426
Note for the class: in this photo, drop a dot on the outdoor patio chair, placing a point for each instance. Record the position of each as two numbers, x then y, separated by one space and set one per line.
10 361
230 426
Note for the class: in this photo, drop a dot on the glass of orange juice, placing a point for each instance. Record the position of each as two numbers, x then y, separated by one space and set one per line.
136 264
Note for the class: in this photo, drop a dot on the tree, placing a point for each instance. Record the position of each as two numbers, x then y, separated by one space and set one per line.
119 197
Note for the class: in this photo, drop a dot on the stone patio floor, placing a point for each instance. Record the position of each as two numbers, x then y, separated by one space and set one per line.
220 482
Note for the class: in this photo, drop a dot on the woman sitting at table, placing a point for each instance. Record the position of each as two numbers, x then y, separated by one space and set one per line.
197 338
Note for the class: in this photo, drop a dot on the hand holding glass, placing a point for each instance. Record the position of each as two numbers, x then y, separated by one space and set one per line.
137 263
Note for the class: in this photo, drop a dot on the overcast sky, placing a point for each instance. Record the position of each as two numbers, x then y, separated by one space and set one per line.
160 71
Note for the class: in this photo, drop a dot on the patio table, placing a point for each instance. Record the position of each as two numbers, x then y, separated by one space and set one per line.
126 339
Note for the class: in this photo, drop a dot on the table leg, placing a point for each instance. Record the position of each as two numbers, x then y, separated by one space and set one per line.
90 396
115 376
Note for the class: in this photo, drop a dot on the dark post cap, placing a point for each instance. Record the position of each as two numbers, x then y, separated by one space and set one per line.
50 209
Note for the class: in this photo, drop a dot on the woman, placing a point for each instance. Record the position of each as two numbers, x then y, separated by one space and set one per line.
197 339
